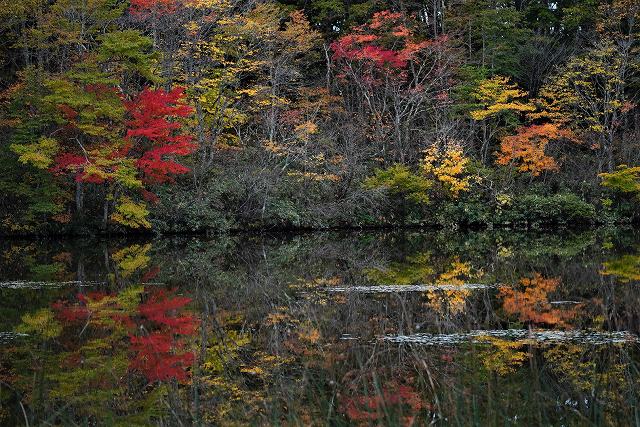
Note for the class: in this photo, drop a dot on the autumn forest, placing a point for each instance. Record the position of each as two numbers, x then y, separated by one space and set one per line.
213 115
319 213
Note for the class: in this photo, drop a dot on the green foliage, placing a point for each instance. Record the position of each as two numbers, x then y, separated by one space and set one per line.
417 268
624 180
535 210
495 32
464 93
98 111
400 182
468 211
129 51
39 154
580 15
625 268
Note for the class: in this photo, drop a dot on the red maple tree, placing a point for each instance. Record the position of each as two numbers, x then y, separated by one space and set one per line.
385 42
155 134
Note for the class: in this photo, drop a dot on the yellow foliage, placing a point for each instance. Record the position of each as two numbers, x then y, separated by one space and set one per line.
255 370
132 258
130 213
455 274
587 370
448 166
312 335
304 130
503 357
208 4
42 323
315 176
496 96
280 315
451 300
587 93
39 154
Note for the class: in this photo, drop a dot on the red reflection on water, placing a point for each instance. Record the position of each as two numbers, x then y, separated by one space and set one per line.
161 354
157 330
401 399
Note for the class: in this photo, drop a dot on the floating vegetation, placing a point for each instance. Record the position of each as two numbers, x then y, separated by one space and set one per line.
374 289
7 337
24 284
480 336
563 302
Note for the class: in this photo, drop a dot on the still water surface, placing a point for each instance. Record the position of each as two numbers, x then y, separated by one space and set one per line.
363 328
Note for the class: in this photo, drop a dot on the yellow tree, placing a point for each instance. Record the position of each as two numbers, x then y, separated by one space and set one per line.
277 43
449 167
591 91
497 101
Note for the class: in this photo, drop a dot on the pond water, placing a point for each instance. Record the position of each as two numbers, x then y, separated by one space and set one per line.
358 328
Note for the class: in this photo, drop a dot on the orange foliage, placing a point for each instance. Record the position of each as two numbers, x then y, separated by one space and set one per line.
527 148
532 303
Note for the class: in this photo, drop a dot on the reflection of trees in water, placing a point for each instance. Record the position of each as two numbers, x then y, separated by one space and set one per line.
531 302
106 357
268 348
625 268
364 398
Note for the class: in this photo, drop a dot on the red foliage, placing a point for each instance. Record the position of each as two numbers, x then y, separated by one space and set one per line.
68 112
160 354
351 47
70 313
161 309
101 90
153 113
145 9
93 296
73 164
150 197
151 274
67 162
159 357
89 178
384 42
374 407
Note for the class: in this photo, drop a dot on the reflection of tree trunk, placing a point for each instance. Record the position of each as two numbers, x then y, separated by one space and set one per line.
402 210
80 274
25 50
79 197
107 264
605 155
328 65
105 214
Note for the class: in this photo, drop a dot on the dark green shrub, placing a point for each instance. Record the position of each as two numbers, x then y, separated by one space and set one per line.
535 210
